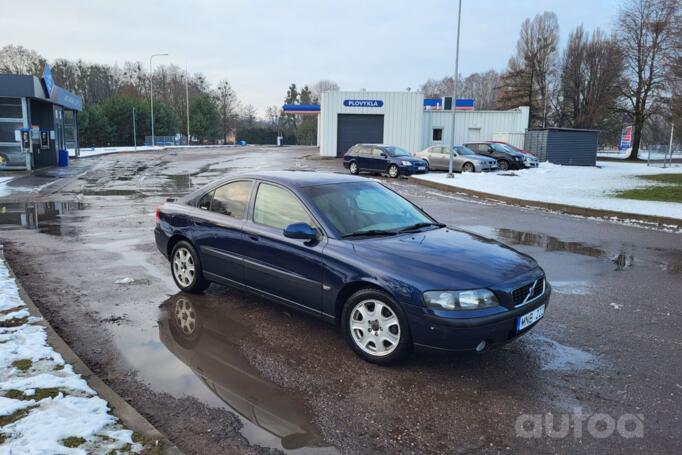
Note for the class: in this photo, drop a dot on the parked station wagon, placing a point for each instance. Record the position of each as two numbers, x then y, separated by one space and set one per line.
380 158
353 252
463 160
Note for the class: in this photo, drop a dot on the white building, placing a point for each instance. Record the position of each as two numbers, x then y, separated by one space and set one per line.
400 118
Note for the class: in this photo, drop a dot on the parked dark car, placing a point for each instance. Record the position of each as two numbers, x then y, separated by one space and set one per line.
353 252
378 158
506 157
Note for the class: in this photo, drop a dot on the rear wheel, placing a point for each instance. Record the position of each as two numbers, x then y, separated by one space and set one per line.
393 171
468 167
503 165
376 327
186 268
353 168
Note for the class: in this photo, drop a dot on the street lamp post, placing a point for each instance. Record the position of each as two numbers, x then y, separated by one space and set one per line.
454 95
151 90
187 103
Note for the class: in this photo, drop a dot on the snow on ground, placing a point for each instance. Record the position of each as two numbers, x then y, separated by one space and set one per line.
44 404
591 187
642 154
95 151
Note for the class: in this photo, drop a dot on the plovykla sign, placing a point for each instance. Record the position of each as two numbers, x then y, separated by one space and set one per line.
363 103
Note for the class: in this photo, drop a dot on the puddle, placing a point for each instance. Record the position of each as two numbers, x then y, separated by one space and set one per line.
45 217
555 356
197 353
547 242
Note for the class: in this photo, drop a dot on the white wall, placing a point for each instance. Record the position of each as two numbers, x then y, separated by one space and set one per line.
471 126
402 117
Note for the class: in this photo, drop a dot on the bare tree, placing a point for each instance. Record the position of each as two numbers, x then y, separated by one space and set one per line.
589 81
321 86
646 32
19 60
530 73
227 105
480 86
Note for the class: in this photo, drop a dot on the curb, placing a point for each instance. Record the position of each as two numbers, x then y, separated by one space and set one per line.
127 415
659 221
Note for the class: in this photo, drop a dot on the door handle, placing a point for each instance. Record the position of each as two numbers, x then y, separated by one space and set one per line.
254 237
202 223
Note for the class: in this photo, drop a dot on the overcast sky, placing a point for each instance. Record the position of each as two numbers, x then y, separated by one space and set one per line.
261 46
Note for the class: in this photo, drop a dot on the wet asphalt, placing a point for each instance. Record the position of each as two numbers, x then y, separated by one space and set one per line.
250 376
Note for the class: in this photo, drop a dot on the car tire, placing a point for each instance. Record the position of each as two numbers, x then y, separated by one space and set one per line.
360 317
428 166
393 171
468 167
503 165
186 269
354 168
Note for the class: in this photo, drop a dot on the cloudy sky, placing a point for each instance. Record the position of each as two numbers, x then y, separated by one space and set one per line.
261 46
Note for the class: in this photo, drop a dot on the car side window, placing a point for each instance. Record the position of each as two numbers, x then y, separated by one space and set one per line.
278 208
231 199
376 153
205 201
364 151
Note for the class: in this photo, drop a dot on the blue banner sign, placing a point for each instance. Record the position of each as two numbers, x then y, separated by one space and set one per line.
363 103
48 81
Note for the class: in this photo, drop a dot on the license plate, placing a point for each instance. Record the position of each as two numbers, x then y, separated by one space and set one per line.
530 318
421 168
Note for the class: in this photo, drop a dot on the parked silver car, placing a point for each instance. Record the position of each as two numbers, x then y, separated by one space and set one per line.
464 160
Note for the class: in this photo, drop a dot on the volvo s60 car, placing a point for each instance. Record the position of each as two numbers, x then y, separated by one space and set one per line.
379 158
355 253
463 159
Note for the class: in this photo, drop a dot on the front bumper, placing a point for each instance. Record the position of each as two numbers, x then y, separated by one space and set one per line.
465 334
413 169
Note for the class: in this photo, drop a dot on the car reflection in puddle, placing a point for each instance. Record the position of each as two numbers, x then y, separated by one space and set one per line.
202 336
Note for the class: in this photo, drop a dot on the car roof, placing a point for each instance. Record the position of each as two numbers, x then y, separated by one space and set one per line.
300 178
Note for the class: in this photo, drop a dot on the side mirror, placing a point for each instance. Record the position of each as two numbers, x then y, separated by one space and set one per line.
302 231
383 155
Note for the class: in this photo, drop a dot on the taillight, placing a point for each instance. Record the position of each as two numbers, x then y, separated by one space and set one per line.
158 215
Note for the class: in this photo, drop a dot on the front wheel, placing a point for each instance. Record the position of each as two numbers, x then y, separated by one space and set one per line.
376 327
186 269
468 167
353 168
393 171
503 165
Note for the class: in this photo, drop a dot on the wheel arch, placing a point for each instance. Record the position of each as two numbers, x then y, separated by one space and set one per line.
351 288
175 238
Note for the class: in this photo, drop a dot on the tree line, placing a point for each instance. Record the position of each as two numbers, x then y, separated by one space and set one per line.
110 92
631 75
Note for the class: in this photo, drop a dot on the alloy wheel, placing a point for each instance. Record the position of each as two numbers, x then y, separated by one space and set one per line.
468 167
354 168
374 327
393 171
183 267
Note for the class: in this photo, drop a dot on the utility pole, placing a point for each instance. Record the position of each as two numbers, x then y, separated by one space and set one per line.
134 131
151 90
454 95
187 103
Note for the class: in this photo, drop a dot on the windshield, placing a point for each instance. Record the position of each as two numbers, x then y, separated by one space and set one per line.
396 151
502 148
364 206
462 150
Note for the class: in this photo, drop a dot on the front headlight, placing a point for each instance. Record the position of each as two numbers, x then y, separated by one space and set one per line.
406 163
461 300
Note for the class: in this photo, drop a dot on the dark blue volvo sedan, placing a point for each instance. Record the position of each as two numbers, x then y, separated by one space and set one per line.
355 253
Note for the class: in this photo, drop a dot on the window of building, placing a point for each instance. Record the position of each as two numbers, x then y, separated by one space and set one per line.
10 108
278 208
437 134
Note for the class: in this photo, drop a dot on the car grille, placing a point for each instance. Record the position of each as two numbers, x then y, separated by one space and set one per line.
528 292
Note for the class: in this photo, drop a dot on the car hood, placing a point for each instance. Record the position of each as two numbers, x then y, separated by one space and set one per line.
445 259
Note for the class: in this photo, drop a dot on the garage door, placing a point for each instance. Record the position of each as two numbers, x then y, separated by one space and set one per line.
357 129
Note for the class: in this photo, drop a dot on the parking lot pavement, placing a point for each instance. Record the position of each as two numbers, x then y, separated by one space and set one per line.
599 373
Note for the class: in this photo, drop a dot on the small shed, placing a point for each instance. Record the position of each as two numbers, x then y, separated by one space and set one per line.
568 146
